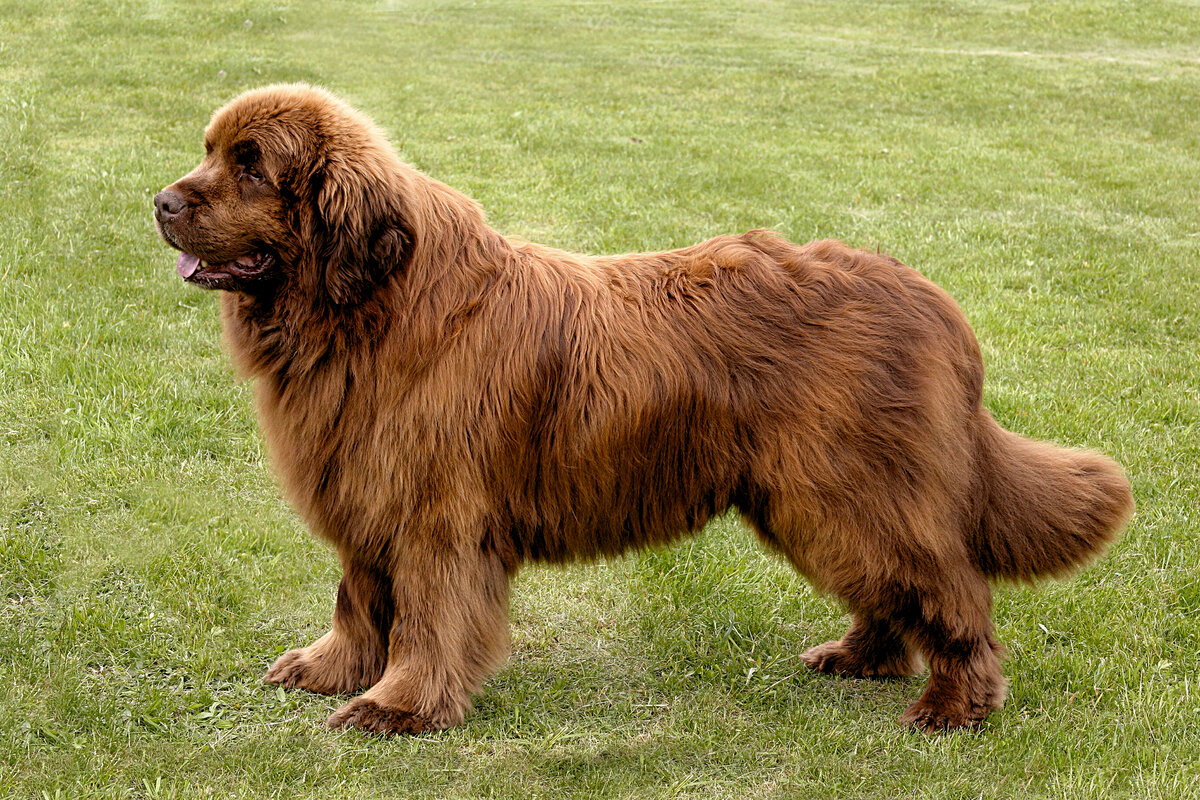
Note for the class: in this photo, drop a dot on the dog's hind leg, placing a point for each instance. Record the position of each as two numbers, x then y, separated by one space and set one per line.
941 608
872 648
449 632
913 590
949 618
352 655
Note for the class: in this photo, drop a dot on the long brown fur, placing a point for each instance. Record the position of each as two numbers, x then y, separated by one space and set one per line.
444 404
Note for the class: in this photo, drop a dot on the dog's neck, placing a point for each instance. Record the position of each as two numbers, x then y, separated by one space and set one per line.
283 334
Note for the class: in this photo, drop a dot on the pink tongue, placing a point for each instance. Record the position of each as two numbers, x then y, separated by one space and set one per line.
187 265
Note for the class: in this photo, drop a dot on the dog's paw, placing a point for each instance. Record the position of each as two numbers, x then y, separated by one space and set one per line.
828 658
288 670
306 669
834 658
369 716
929 718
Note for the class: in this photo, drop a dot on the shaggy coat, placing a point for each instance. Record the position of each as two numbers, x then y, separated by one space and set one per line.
444 404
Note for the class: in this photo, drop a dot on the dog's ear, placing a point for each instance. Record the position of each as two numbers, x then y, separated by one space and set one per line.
358 223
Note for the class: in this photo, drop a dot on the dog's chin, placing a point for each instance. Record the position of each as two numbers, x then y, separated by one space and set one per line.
239 273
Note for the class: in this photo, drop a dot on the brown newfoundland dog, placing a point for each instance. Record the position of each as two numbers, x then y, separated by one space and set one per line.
444 404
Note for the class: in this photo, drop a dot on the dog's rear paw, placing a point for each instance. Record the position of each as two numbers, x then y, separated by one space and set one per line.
835 658
929 718
827 658
369 716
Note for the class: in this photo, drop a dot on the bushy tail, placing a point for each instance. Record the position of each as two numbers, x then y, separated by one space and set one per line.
1048 510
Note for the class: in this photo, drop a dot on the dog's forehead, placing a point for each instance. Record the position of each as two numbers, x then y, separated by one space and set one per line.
235 124
297 114
295 128
286 115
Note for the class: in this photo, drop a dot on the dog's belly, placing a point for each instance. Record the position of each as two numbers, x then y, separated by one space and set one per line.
584 492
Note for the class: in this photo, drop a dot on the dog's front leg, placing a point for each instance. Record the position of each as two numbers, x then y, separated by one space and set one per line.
449 631
352 655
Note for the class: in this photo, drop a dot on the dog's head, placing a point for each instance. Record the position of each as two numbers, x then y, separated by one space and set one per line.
295 187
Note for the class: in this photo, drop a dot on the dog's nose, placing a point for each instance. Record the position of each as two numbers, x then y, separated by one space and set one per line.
168 204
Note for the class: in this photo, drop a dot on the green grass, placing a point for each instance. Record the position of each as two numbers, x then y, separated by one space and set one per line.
1040 161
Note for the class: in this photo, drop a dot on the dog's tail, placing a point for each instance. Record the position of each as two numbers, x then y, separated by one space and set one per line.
1048 510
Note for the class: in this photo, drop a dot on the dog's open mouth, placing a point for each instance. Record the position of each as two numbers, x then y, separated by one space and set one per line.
193 270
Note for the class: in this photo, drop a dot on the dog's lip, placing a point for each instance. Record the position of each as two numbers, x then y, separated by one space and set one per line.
195 270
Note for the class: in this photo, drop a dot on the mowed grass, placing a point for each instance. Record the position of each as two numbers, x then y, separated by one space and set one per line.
1039 161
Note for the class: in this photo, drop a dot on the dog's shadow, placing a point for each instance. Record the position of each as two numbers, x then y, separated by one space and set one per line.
702 640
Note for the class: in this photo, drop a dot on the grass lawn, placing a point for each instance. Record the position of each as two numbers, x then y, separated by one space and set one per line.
1040 161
